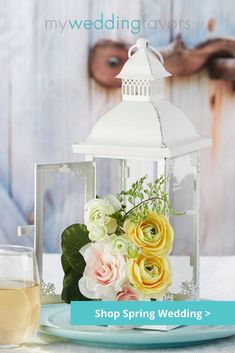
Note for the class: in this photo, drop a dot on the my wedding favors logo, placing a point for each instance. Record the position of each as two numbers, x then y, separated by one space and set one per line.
115 22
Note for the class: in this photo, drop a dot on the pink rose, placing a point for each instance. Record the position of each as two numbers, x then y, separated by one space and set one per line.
127 294
105 271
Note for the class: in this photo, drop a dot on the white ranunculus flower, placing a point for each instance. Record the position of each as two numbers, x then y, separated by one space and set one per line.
97 231
105 271
97 216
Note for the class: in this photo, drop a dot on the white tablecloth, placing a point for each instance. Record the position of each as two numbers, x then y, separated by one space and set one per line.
217 282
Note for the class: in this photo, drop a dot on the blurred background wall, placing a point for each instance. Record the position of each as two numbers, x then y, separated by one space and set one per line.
48 101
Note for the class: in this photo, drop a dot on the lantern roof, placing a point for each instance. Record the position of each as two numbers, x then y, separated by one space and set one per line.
143 130
144 125
145 64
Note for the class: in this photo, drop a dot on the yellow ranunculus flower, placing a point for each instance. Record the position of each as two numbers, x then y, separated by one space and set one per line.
151 276
154 236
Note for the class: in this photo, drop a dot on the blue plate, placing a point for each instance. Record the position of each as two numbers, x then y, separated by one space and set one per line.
55 319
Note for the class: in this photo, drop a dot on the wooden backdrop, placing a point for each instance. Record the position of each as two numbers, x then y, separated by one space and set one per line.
48 101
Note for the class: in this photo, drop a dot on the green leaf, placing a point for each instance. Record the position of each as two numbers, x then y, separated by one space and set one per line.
73 239
70 287
65 265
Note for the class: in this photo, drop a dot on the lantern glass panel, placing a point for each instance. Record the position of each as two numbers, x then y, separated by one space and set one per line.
139 168
183 186
108 177
64 198
61 192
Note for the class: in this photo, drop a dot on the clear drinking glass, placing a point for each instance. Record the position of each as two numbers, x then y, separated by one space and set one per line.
19 295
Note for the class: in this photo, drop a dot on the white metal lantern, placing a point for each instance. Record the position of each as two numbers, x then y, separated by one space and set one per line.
149 135
143 134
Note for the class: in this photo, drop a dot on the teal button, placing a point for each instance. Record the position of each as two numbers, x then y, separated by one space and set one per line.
153 313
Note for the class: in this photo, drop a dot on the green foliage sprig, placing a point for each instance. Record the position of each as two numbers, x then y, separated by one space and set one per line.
144 196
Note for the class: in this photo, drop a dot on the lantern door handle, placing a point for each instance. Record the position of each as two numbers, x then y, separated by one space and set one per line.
25 230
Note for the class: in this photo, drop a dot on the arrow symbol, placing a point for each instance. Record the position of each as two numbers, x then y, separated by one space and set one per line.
207 313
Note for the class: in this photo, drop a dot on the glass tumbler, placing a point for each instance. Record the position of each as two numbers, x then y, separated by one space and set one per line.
19 295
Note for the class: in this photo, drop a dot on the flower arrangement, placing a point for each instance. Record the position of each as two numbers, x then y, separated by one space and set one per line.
121 252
